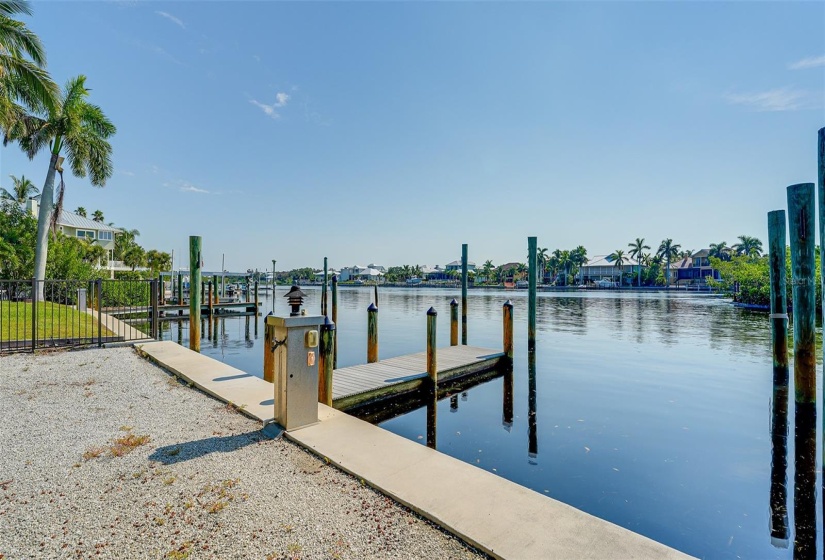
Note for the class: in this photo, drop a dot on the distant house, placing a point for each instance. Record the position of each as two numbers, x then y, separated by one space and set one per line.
695 269
75 225
436 272
357 272
456 265
602 266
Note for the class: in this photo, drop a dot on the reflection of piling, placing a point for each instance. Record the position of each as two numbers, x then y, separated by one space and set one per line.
195 293
531 293
464 279
432 373
532 437
779 460
372 334
454 323
334 320
779 304
325 362
215 332
507 399
802 238
453 403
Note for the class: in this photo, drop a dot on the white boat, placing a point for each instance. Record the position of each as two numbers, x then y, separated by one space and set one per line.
413 281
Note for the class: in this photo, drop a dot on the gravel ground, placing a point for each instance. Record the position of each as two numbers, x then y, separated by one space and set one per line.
107 456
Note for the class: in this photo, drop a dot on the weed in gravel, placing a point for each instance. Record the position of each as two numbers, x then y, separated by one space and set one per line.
126 444
93 452
182 552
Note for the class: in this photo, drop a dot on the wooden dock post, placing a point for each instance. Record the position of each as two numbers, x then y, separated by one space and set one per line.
432 373
531 294
454 323
195 293
464 276
248 288
334 320
180 291
256 300
372 333
802 240
211 304
779 304
821 191
375 292
507 338
324 311
325 362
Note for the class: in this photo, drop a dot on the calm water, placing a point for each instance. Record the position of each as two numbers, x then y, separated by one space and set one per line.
653 411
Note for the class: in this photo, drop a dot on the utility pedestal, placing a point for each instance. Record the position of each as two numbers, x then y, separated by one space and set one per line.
295 347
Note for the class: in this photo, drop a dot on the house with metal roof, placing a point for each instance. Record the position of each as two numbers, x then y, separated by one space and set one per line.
603 266
75 225
696 269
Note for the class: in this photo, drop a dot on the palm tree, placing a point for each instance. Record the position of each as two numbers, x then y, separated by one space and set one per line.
748 246
80 211
83 131
488 268
97 216
617 257
579 258
134 257
123 240
24 83
668 250
541 260
158 260
23 189
720 250
637 251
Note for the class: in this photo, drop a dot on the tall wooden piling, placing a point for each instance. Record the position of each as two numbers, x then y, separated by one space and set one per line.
372 333
210 300
180 291
334 319
325 362
195 292
464 280
256 300
821 191
507 331
531 293
779 303
454 323
432 361
324 311
248 289
802 240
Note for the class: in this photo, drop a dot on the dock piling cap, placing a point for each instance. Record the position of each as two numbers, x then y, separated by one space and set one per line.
372 307
454 303
508 303
432 311
327 324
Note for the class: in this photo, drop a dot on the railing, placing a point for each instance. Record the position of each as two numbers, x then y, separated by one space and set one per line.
64 313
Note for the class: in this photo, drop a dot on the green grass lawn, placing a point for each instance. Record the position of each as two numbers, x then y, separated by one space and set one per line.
53 321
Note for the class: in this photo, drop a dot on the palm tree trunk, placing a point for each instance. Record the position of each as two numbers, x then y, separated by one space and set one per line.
44 216
667 273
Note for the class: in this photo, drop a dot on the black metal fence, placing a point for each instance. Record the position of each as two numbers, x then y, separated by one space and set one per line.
62 313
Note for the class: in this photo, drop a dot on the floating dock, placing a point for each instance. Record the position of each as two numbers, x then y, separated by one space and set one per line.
244 306
360 385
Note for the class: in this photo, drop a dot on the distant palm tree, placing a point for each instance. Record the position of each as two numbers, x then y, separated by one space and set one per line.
487 269
720 250
578 257
541 260
97 216
748 246
668 250
637 251
80 211
617 257
23 190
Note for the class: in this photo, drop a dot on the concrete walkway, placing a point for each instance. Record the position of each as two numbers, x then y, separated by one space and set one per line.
499 517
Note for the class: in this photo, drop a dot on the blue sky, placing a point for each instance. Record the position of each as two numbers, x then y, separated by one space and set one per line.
395 132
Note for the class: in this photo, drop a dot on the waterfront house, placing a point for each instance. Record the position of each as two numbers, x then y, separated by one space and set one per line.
602 266
456 265
695 269
75 225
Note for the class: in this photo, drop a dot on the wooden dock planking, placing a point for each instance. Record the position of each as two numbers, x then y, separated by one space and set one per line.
356 385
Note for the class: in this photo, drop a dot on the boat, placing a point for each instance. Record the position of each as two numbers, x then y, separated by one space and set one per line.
413 281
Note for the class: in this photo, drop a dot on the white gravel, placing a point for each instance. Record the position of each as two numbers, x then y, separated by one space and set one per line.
206 485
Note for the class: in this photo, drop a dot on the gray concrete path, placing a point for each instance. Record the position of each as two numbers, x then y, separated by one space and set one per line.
499 517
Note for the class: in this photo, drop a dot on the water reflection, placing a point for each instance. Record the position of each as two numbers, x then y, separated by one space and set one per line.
532 436
805 482
507 398
779 460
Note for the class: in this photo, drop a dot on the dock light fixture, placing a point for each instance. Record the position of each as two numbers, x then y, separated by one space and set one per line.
295 300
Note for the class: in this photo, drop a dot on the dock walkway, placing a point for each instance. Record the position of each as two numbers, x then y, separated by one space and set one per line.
355 385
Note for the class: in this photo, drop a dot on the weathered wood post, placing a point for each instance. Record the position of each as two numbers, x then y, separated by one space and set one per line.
324 311
432 374
375 292
180 292
531 294
325 362
821 190
256 300
195 293
454 323
248 289
269 352
372 333
334 319
507 334
802 237
211 304
779 304
464 276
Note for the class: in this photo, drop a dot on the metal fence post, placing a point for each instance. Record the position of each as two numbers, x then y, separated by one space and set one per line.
34 314
98 290
155 296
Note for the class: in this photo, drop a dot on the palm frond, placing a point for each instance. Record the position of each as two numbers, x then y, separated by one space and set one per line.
19 40
13 7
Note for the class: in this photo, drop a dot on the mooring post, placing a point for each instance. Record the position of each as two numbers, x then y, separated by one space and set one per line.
454 323
256 300
821 190
248 289
779 304
209 299
180 292
432 362
372 333
801 216
464 277
531 294
325 362
334 320
195 293
324 293
269 352
375 291
507 338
